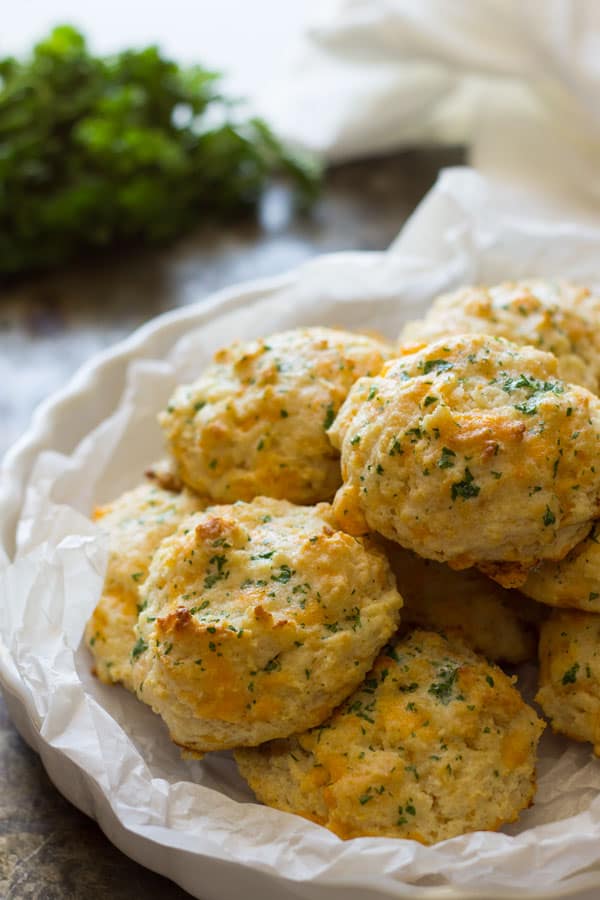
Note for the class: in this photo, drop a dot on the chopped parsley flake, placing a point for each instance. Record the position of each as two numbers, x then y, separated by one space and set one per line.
465 488
529 407
533 385
285 573
218 573
446 460
329 417
570 676
273 665
396 448
435 365
442 689
139 647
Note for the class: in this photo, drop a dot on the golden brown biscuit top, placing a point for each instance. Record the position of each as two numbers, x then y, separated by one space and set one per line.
472 449
231 562
422 687
432 728
258 619
555 316
255 422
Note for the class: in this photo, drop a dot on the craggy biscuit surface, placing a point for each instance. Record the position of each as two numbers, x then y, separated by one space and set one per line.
259 618
555 316
500 624
436 742
255 422
136 523
471 451
571 582
569 680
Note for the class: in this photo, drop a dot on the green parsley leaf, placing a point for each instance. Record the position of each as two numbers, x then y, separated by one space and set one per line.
465 488
446 460
124 149
329 417
570 676
139 647
435 365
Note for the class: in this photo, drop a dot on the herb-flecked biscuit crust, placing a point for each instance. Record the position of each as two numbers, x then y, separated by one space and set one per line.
471 451
503 625
555 316
259 618
136 523
255 422
573 581
435 743
569 679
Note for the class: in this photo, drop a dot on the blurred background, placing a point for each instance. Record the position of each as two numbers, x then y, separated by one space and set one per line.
69 285
248 42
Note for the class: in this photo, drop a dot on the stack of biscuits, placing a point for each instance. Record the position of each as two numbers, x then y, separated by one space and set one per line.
351 545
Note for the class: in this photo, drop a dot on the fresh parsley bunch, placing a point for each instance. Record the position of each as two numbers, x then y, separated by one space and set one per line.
100 151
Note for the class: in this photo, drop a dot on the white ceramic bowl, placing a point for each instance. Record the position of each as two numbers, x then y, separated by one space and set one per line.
195 822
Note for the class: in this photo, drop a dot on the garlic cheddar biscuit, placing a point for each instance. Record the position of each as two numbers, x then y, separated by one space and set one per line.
259 618
500 624
136 523
255 422
471 451
569 680
436 742
571 582
555 316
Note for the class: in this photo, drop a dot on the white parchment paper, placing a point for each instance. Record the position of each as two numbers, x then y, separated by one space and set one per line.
196 821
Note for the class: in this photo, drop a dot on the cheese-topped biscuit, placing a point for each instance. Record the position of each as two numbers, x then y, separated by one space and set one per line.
136 523
255 423
435 742
555 316
471 451
258 619
501 624
571 582
569 680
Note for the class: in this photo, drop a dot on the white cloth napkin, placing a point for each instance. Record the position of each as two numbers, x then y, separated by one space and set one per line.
518 82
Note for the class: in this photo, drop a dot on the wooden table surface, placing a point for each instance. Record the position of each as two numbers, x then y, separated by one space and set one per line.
48 327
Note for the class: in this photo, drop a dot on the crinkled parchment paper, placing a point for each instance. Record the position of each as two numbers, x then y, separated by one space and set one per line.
196 821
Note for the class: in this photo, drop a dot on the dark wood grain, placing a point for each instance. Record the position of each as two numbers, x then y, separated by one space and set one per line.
48 327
